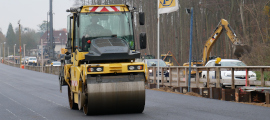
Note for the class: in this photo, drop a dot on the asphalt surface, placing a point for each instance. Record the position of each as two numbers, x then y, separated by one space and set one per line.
30 95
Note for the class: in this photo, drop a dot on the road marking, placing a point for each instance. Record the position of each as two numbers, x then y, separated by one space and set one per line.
13 114
23 106
38 96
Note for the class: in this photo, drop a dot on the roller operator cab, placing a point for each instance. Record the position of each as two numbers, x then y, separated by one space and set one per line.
99 67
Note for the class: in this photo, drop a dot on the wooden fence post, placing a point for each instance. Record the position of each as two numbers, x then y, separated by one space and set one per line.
247 81
197 78
154 74
162 76
170 77
208 80
186 76
218 77
262 78
232 71
178 77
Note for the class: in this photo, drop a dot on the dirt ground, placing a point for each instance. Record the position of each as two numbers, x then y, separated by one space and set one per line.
170 90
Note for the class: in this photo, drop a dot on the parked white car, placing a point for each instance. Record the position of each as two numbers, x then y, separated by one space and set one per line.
32 61
238 75
154 62
56 63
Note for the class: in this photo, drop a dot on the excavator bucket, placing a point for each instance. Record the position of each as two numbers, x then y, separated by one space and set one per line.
239 50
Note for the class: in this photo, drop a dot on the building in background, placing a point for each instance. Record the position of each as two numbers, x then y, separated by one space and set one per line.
60 37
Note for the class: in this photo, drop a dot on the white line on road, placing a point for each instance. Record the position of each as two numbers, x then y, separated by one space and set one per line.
23 106
38 96
13 114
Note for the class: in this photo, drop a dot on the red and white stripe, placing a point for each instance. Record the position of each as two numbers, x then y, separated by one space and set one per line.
105 9
74 83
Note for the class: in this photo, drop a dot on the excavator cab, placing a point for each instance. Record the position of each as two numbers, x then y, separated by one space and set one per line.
168 59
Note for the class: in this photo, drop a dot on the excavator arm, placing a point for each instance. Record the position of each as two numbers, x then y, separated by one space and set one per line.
238 48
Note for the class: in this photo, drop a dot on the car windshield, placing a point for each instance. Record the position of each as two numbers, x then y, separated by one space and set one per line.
100 25
232 63
56 63
33 58
155 62
167 58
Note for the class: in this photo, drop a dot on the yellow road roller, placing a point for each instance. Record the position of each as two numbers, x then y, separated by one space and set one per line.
99 66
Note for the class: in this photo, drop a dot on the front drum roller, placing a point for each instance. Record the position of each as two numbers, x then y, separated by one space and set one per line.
115 96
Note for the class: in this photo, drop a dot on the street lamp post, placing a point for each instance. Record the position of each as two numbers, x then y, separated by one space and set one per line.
8 55
4 53
190 11
14 55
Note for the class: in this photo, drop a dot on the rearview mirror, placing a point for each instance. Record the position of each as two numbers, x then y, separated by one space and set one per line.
143 40
141 18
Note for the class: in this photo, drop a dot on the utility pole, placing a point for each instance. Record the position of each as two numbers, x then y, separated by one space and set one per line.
52 46
20 44
24 54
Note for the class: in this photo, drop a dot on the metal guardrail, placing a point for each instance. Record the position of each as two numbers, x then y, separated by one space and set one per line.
179 74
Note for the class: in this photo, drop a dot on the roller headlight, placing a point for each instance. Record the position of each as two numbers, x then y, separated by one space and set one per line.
95 69
139 67
131 68
135 67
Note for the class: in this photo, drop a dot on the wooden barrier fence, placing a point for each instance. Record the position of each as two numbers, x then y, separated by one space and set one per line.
46 69
178 75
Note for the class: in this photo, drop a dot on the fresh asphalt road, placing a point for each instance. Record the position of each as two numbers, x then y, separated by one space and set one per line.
30 95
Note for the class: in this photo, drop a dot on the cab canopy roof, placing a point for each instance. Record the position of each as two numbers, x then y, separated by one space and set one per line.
100 8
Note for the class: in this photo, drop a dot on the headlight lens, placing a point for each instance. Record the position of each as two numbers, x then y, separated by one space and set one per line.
253 75
131 67
139 67
95 69
135 67
99 69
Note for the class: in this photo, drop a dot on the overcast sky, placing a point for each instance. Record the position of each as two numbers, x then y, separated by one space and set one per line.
32 13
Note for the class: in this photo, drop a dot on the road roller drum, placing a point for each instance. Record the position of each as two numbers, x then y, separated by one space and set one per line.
119 94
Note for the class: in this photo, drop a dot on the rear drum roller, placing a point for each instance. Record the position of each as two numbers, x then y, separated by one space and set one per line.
81 100
72 105
86 111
